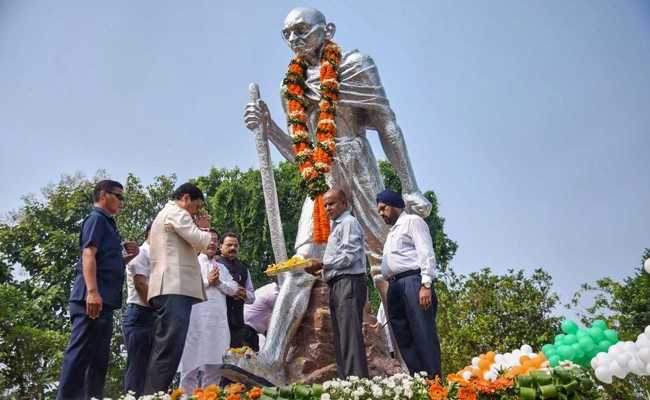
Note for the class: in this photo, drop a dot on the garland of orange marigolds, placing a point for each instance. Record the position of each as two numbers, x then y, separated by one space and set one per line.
314 159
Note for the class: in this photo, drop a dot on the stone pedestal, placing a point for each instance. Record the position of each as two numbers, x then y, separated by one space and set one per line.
311 356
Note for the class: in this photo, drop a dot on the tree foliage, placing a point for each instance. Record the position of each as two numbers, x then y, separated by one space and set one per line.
484 312
625 306
477 312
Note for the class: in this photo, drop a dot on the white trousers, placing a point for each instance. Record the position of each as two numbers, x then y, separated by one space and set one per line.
190 380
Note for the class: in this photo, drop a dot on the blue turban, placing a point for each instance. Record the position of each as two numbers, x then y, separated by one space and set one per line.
391 198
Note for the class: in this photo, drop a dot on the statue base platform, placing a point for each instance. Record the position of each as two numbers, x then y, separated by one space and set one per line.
311 356
236 374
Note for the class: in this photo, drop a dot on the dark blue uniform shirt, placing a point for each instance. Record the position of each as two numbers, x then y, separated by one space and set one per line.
99 229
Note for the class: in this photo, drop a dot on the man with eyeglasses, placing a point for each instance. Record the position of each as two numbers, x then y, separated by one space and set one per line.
96 293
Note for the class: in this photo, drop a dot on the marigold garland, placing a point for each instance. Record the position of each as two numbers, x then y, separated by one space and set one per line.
314 159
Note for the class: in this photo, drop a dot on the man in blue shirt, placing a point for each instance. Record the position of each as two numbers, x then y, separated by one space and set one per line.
97 291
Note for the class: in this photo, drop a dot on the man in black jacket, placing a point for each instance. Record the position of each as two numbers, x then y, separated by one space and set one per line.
240 333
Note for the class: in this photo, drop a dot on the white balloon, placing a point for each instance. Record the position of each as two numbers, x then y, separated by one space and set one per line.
629 347
498 358
603 374
646 265
490 376
467 375
622 358
475 361
647 330
636 366
526 349
643 342
595 363
644 354
647 368
618 370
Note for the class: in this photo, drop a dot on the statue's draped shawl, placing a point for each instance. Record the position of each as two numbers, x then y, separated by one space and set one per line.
359 86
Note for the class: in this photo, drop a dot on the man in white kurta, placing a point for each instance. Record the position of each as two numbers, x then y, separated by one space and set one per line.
208 337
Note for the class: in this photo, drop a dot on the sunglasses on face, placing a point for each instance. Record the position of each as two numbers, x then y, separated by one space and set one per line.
119 196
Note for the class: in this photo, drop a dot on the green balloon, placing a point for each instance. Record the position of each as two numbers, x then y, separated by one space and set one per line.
596 334
570 339
554 360
569 327
578 352
565 352
600 324
611 335
548 350
559 339
587 344
582 333
603 346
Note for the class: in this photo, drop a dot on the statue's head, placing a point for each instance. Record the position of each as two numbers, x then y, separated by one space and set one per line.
305 30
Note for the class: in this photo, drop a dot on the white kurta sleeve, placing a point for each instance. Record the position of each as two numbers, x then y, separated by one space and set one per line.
226 284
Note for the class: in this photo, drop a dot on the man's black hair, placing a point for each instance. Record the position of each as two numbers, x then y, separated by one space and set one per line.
106 185
147 230
229 234
190 189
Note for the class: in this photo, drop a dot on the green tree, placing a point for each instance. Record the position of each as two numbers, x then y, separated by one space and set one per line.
42 239
483 311
236 203
625 306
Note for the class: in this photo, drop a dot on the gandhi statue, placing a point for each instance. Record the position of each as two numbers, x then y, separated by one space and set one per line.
362 106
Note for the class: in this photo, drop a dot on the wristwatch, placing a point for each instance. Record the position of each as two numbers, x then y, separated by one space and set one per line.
426 285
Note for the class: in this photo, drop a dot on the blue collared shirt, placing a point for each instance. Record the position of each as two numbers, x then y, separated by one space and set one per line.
344 253
99 230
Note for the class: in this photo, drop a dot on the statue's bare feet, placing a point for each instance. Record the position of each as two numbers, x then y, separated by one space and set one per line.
256 364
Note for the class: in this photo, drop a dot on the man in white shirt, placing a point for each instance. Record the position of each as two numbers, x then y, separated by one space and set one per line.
208 337
258 314
408 265
137 324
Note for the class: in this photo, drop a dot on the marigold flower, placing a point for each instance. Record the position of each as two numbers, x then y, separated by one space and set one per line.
295 68
467 392
213 389
294 89
210 396
436 391
177 393
502 383
255 393
483 386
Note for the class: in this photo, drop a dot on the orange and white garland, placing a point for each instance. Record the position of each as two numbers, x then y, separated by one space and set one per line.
314 159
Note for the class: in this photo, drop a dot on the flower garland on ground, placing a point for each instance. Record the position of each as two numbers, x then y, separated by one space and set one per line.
568 381
314 159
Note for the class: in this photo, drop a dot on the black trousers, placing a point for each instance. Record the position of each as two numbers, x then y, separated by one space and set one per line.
414 328
347 298
137 328
85 360
171 322
245 335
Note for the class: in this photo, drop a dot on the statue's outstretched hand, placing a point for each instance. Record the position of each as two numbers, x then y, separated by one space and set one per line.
256 115
417 204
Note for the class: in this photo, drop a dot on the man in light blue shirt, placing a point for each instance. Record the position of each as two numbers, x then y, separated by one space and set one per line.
344 270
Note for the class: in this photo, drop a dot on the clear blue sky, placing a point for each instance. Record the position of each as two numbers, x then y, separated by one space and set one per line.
529 119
